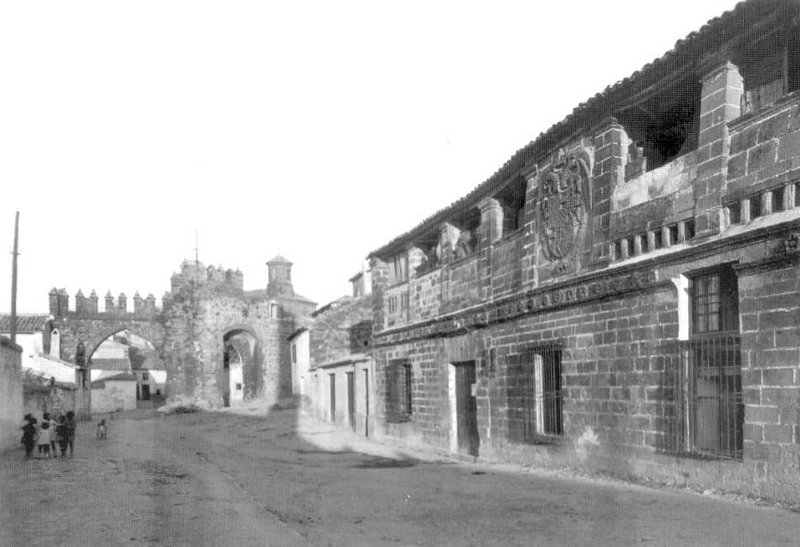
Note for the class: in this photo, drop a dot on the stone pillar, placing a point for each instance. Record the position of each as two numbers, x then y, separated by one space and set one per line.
448 237
720 103
109 299
122 302
666 237
491 228
380 280
415 257
610 154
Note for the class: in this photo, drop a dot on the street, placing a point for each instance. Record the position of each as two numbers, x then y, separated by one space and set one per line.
254 477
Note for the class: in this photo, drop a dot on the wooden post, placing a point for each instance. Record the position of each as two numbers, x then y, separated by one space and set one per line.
15 253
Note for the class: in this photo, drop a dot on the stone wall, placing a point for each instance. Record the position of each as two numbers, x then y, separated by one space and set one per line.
113 395
333 330
764 163
11 409
196 326
40 397
426 295
621 353
770 313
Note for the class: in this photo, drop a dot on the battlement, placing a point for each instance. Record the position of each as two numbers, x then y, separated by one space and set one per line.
84 307
194 272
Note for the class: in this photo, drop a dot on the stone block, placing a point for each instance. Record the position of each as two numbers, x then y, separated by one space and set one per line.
760 156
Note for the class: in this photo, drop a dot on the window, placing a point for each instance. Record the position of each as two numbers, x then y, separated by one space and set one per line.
534 394
404 301
712 369
145 376
398 391
391 304
398 269
294 353
715 302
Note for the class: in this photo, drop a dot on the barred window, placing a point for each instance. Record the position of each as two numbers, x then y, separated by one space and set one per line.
398 391
709 410
534 394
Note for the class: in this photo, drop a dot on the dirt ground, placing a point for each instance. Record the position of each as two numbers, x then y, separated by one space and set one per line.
253 477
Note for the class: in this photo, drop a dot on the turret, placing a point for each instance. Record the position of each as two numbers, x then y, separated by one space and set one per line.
81 305
93 303
53 294
279 280
63 302
122 302
109 302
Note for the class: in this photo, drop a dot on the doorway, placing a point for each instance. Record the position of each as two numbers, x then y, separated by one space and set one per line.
351 400
332 378
464 408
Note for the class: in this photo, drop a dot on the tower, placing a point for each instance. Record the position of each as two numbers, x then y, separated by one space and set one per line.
279 282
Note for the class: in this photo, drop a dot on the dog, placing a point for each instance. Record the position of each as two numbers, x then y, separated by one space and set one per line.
102 430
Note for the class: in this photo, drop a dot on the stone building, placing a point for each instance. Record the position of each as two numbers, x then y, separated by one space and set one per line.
10 394
218 343
623 293
332 360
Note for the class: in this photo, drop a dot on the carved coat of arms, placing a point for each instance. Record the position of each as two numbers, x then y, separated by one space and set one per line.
562 214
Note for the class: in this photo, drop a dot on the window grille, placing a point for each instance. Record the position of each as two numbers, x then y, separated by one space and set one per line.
534 394
707 417
398 391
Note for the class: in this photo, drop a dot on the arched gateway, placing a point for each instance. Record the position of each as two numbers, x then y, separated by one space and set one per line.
219 343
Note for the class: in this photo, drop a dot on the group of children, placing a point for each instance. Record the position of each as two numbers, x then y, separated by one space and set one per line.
50 433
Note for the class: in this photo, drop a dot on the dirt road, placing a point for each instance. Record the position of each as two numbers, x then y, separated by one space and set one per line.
253 478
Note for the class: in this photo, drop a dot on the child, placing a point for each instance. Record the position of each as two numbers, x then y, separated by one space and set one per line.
44 439
69 432
29 435
55 435
61 433
51 425
102 431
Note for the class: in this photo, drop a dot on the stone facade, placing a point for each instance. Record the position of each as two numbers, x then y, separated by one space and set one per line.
337 345
219 343
630 298
10 394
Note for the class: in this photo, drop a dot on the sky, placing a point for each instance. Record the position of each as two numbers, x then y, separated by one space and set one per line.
317 130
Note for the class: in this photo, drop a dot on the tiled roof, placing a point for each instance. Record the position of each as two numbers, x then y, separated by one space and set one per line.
711 35
261 294
25 323
126 376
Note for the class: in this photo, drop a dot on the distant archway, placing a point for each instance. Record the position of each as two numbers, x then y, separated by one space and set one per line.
126 371
238 377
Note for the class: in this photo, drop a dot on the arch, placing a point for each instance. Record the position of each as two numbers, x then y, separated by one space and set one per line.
240 368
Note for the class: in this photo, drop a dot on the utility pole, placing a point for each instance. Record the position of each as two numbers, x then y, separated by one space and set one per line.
15 253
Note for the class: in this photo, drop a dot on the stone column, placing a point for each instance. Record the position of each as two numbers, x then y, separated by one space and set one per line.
448 237
380 280
609 171
719 104
491 228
